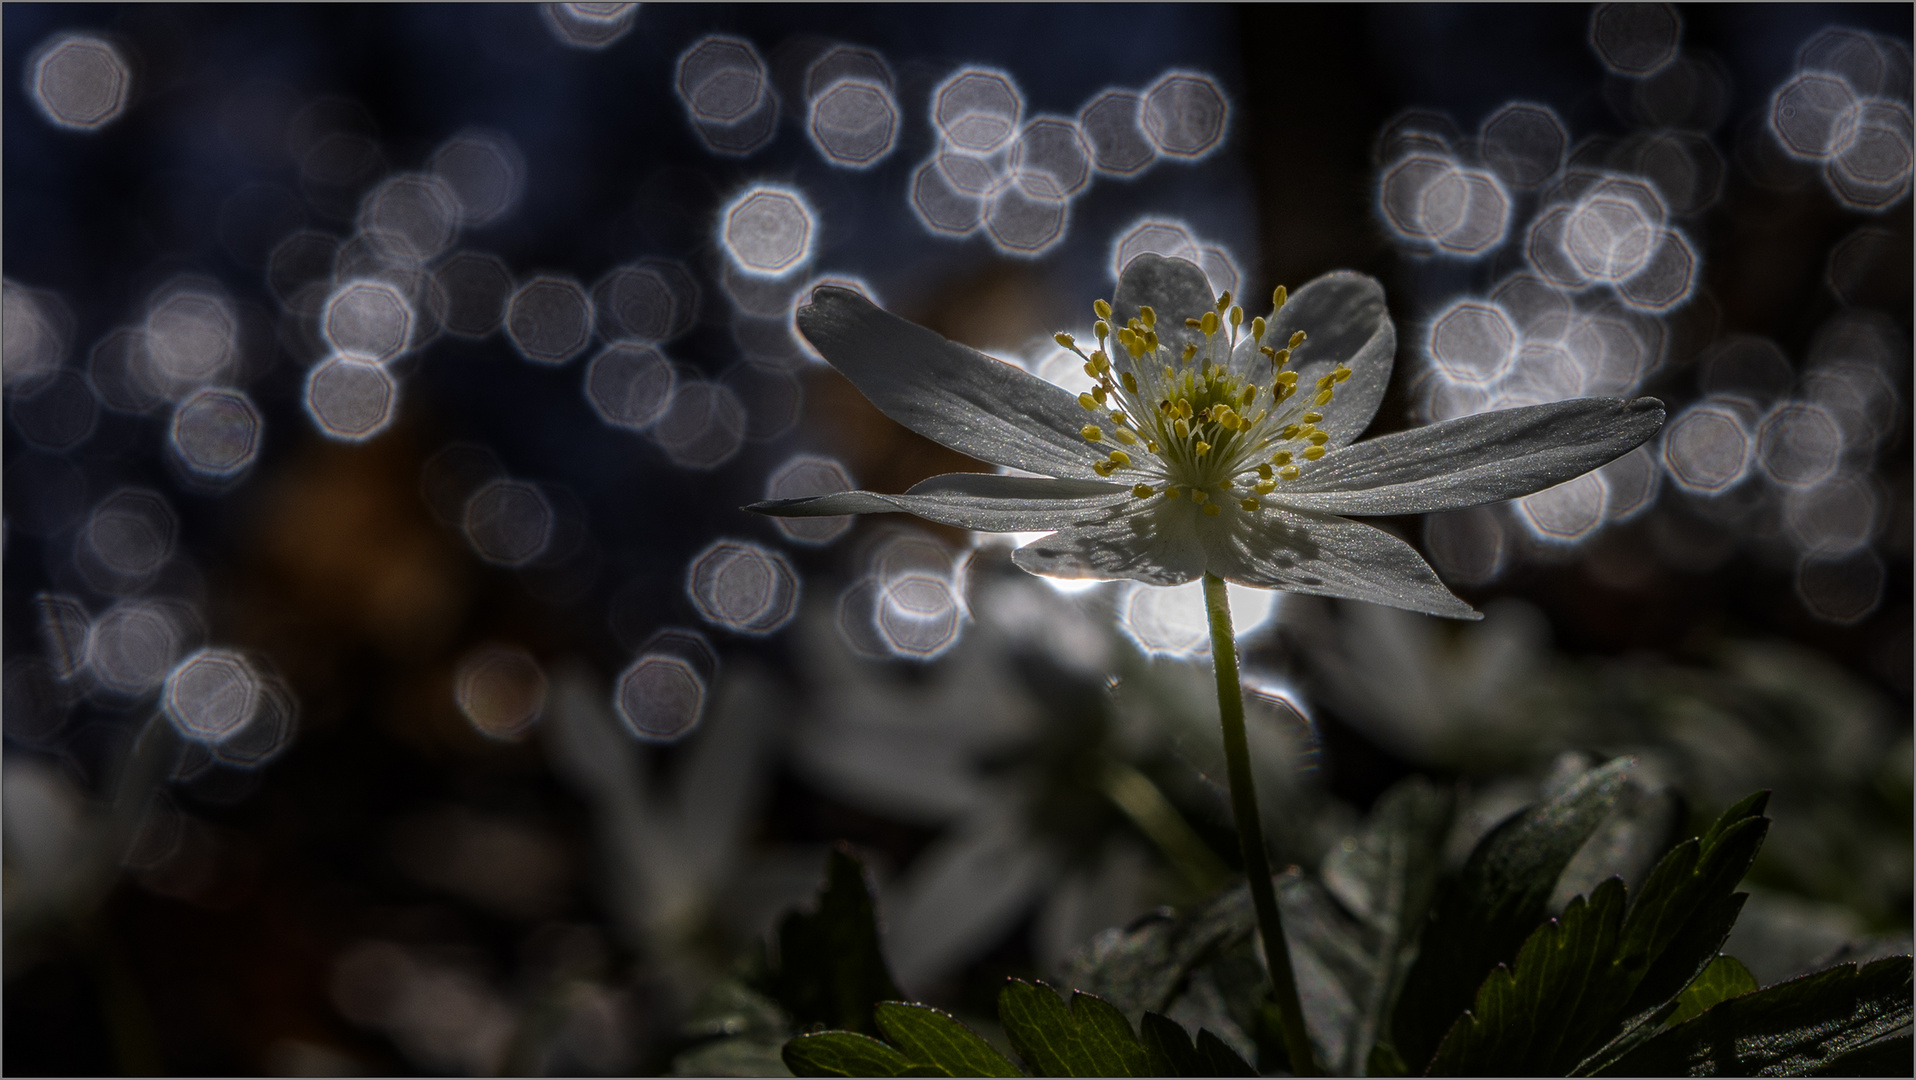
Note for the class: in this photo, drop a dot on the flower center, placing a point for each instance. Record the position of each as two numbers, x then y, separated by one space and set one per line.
1207 430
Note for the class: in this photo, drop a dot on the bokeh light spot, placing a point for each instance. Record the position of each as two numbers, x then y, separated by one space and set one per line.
629 386
1113 129
476 287
550 319
652 301
509 522
1871 171
501 691
1050 160
1841 591
722 82
854 123
133 644
586 25
212 694
1184 114
411 218
1809 114
485 172
940 205
80 82
55 413
1799 444
704 426
743 587
367 320
191 338
129 536
767 231
1524 143
1473 342
977 109
1635 39
351 400
1707 447
216 433
1025 225
1836 516
1171 620
918 616
661 695
1567 512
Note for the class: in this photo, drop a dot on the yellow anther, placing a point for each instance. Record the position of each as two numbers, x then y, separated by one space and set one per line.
1102 329
1288 472
1124 436
1119 458
1224 300
1282 457
1102 309
1341 374
1249 395
1264 471
1259 418
1287 378
1130 381
1098 394
1142 491
1203 448
1237 317
1065 339
1170 493
1268 351
1292 431
1150 317
1223 414
1184 408
1257 328
1277 299
1313 453
1192 324
1102 468
1166 369
1250 504
1297 339
1198 496
1150 341
1319 438
1091 369
1283 357
1091 432
1101 362
1265 487
1087 401
1119 418
1209 323
1313 417
1182 428
1212 509
1326 382
1323 398
1151 445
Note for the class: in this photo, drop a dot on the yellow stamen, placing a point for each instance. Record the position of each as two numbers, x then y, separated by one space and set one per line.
1288 472
1102 329
1282 457
1277 299
1142 491
1323 398
1102 309
1264 471
1102 468
1297 339
1265 487
1212 510
1257 328
1313 453
1130 382
1181 428
1170 492
1341 374
1150 317
1192 324
1092 433
1121 459
1319 438
1313 417
1203 448
1124 436
1237 317
1250 504
1087 401
1209 323
1198 496
1065 339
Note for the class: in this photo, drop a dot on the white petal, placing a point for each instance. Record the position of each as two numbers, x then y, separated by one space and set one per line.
1329 556
1345 322
1157 543
983 501
951 394
1175 289
1474 459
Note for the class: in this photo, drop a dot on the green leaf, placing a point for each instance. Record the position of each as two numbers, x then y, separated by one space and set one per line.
1219 1059
1495 904
1140 969
1090 1038
1169 1048
1585 978
1534 1017
934 1037
829 969
1725 978
1807 1025
843 1053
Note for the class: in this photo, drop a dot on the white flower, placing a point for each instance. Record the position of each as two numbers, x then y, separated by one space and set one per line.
1205 444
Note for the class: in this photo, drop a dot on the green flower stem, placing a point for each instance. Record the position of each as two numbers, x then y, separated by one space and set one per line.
1250 830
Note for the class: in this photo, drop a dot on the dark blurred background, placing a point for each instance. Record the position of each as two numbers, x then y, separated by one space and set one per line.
382 384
